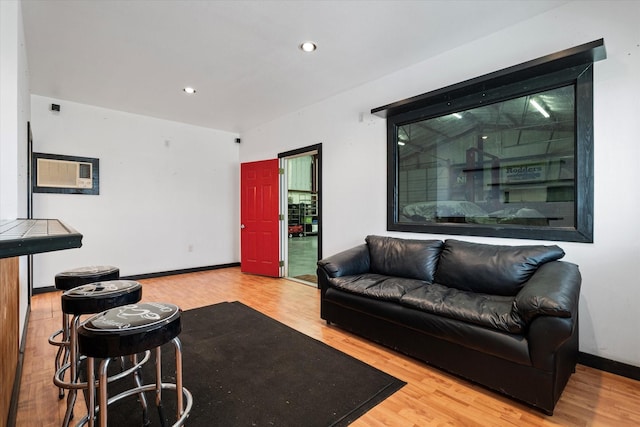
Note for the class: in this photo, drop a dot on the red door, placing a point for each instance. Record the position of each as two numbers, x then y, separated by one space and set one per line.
259 236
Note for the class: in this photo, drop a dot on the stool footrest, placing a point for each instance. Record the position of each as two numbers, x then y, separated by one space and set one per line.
61 343
58 378
151 387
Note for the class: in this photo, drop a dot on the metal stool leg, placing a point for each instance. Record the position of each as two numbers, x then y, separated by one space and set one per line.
91 390
102 393
158 389
178 348
137 377
62 355
64 348
73 369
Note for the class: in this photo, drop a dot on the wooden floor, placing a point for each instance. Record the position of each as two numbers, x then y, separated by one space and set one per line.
431 397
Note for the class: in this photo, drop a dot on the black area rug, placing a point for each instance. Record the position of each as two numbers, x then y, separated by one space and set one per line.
246 369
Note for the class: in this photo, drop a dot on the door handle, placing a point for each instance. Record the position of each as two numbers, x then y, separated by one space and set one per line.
241 226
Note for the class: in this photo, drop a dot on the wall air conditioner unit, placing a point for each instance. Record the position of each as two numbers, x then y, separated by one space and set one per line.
64 174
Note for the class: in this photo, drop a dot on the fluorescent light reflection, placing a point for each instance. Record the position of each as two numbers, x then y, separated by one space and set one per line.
539 108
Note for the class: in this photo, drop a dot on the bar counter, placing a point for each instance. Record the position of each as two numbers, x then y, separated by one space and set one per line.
32 236
21 237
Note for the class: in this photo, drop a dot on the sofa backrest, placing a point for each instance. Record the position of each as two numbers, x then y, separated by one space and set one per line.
413 259
491 269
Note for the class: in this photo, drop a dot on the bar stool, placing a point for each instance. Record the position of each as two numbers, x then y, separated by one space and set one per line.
70 279
91 299
127 330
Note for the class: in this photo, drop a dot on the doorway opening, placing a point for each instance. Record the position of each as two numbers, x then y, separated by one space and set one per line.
301 204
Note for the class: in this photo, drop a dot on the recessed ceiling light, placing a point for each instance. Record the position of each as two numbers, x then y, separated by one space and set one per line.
189 90
308 46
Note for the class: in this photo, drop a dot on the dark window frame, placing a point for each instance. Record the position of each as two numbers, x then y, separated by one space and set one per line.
570 67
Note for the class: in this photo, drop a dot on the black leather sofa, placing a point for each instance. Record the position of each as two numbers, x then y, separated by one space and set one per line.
505 317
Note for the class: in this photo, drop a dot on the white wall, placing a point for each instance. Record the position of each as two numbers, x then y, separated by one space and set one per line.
169 192
14 115
9 15
354 154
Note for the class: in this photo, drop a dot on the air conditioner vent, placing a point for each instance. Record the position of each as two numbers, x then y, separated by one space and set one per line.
65 174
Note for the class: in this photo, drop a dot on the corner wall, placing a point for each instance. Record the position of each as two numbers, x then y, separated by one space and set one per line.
14 116
169 191
354 154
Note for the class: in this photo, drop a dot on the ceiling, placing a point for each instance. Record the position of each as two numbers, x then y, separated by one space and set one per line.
242 57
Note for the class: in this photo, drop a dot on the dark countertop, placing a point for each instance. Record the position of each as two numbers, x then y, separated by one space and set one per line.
31 236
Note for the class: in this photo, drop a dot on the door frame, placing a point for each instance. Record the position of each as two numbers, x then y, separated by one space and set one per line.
282 157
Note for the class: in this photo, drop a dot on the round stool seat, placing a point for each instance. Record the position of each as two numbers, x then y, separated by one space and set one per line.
99 296
129 329
81 276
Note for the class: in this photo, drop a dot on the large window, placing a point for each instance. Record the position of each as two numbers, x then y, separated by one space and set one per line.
505 155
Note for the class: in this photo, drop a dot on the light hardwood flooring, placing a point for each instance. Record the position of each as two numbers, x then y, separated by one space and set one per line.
430 398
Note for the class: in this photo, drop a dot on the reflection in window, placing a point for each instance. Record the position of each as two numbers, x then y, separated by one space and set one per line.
506 163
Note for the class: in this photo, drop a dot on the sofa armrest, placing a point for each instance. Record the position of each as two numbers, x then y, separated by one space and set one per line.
346 263
553 290
547 335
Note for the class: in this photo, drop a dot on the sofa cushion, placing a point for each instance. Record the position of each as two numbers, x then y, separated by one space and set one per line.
412 259
491 269
376 285
490 311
